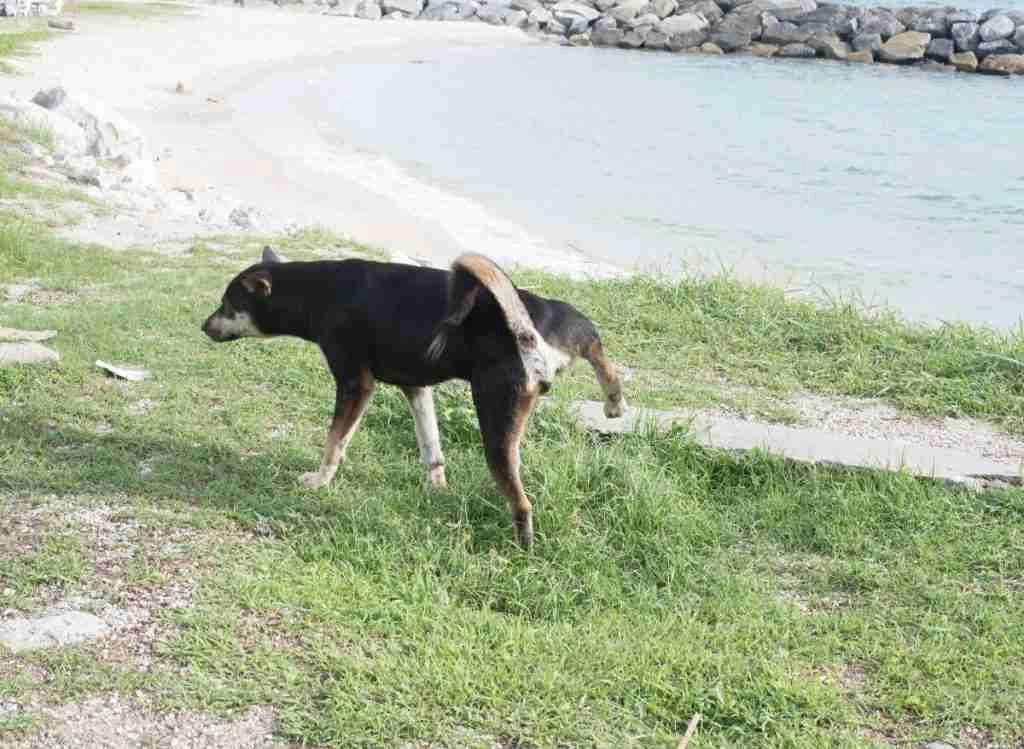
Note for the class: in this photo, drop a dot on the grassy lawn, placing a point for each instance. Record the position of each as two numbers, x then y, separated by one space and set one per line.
790 606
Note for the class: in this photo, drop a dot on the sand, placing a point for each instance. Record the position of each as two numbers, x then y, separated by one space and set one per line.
227 149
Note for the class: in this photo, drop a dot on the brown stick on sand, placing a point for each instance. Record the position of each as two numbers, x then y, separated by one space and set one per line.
690 730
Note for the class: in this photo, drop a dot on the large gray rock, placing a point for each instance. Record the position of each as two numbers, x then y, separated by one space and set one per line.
941 50
710 48
541 15
664 8
867 41
1002 65
832 16
963 16
786 10
648 20
965 36
656 40
21 635
998 47
904 48
965 62
108 135
568 11
862 56
784 33
493 13
634 39
449 11
796 51
685 31
68 137
26 353
1018 38
831 47
409 7
881 22
933 23
997 27
525 5
709 9
606 37
605 5
516 18
627 10
368 10
744 20
730 41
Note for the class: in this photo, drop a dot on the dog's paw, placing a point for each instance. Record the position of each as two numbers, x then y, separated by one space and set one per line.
312 480
615 409
436 480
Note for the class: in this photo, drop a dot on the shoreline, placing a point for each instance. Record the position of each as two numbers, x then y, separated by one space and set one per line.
284 174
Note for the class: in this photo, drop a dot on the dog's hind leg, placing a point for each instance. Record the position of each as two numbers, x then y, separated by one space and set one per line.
421 403
502 407
352 397
607 377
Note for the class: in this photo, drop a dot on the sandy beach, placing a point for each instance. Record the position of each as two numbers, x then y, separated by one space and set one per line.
216 150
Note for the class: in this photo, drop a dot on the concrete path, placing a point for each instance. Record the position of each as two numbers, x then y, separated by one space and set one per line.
811 445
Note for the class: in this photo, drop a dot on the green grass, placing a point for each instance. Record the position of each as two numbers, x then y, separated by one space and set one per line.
134 11
20 42
683 336
790 606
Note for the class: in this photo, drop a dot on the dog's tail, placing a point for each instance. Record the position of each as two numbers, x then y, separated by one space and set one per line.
470 271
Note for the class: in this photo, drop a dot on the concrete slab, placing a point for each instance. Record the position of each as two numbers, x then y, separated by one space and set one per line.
20 635
810 445
26 353
13 334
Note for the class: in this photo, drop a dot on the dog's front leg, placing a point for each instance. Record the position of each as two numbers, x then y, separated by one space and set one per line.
352 397
428 439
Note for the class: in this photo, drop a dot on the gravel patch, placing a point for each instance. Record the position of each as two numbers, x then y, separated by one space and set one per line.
116 722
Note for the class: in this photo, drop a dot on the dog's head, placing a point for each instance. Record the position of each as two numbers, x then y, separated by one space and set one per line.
244 299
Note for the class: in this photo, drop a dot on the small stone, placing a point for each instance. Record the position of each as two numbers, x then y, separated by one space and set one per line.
710 48
130 373
580 40
940 49
61 24
965 62
861 56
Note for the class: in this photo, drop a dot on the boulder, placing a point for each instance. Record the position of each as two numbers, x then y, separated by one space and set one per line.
786 10
656 40
580 40
107 135
605 37
941 50
567 11
1002 65
965 36
963 16
525 5
650 20
627 10
633 39
710 48
831 48
882 22
862 55
517 19
757 49
872 42
26 353
685 31
708 9
933 23
493 14
797 50
904 48
730 41
450 11
744 20
998 47
997 27
605 5
368 10
783 33
965 62
68 137
22 635
664 8
541 15
409 7
832 16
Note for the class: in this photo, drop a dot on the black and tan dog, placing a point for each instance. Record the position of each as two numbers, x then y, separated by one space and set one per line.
415 327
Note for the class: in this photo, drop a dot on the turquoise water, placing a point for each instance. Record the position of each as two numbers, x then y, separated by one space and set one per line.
899 186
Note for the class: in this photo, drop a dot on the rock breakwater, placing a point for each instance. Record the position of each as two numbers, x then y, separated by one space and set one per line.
936 38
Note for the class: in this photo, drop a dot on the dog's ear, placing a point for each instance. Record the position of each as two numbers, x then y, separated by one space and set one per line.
257 282
270 257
